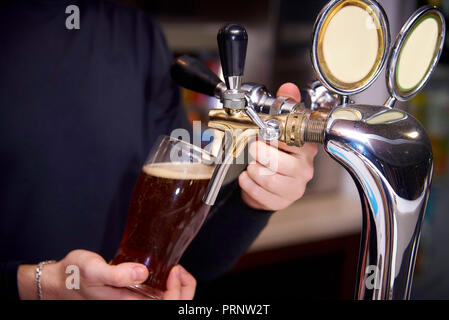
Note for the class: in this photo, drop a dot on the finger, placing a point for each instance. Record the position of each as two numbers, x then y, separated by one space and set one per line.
181 285
289 90
111 293
188 285
309 149
281 162
280 185
266 199
125 274
173 291
251 202
246 197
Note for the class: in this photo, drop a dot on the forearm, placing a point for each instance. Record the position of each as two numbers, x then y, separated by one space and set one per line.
51 280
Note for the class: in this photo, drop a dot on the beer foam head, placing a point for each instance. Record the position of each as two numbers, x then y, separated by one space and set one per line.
179 171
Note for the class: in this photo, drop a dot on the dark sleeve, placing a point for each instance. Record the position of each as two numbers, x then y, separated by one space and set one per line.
231 226
228 232
8 280
163 95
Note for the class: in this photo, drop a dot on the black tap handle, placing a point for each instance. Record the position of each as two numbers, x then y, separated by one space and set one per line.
192 74
232 42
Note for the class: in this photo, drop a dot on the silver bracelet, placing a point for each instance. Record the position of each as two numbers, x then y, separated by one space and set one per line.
39 269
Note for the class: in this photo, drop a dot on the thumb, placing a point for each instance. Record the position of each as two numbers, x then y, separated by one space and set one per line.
289 90
121 275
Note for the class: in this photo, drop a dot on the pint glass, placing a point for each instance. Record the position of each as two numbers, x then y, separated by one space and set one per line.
166 210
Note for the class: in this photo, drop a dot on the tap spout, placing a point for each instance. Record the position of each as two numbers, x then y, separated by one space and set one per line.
389 156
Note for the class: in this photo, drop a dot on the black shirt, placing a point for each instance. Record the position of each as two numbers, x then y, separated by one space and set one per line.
79 112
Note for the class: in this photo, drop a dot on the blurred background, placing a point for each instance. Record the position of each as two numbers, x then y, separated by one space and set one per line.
311 249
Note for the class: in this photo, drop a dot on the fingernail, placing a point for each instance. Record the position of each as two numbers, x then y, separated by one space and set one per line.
139 273
289 96
182 272
177 271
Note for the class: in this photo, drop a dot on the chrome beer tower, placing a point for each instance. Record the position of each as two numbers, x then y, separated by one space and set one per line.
386 150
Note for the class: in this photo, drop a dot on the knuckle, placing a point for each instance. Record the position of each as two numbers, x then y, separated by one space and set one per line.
266 206
75 254
252 149
280 208
300 192
310 149
305 171
77 257
308 174
274 163
251 170
296 166
244 181
82 257
271 180
287 203
282 205
260 178
311 173
314 150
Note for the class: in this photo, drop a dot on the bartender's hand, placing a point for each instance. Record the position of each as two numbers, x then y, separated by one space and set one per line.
99 280
278 177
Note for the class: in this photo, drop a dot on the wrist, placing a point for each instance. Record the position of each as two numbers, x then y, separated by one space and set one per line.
52 281
26 282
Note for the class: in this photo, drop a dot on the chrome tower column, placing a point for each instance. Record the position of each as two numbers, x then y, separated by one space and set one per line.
389 156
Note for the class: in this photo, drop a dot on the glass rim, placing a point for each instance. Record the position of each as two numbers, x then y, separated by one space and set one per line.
206 155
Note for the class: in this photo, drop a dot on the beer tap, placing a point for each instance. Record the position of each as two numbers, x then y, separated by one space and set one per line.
249 109
232 44
385 150
252 97
192 74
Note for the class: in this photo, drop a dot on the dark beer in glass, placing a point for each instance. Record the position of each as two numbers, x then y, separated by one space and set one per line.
166 211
